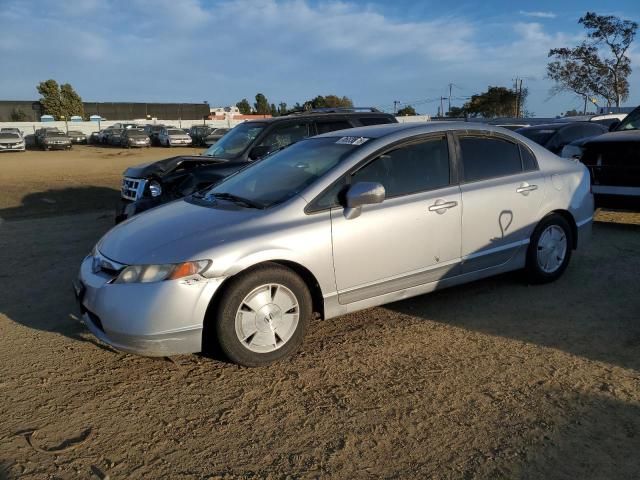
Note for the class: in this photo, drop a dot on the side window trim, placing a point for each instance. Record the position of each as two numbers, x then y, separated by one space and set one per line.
388 148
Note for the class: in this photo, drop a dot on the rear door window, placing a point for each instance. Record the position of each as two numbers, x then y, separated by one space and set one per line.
366 121
486 157
284 135
325 126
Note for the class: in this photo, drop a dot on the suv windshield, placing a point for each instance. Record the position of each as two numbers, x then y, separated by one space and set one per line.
631 121
235 141
284 174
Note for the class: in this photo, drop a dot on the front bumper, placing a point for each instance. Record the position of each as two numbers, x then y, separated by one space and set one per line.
57 146
12 148
150 319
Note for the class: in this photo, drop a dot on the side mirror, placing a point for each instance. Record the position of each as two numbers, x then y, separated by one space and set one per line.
614 125
259 151
362 193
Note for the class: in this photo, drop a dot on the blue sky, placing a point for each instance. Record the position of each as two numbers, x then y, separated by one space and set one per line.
291 50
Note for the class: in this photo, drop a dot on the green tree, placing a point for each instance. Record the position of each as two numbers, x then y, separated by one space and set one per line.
71 101
456 112
571 113
599 66
496 102
244 107
282 108
408 110
274 110
329 101
18 115
50 100
261 106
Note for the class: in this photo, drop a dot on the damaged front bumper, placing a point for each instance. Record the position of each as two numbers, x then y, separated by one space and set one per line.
151 319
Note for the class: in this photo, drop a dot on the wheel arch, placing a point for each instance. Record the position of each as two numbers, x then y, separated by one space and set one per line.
304 273
566 214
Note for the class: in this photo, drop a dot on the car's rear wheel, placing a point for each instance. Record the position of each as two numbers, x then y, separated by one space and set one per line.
549 249
263 315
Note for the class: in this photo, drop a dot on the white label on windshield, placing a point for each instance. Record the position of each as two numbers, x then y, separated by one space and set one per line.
352 140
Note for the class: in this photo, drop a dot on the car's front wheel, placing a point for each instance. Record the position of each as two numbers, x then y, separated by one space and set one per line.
263 315
549 249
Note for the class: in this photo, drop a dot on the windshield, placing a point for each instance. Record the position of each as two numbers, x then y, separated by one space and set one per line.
56 134
631 121
235 141
9 135
176 132
75 132
539 135
284 174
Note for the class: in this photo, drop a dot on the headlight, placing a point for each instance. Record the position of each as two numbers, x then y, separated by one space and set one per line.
571 151
155 188
158 273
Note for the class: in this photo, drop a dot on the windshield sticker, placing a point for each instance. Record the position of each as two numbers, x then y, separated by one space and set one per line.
352 140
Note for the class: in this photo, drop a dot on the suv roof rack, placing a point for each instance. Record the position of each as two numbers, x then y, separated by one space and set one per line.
335 110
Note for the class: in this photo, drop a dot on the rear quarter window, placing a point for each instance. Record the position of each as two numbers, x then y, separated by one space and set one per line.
487 157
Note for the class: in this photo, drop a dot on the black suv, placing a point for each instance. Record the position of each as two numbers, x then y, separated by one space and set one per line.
614 162
148 185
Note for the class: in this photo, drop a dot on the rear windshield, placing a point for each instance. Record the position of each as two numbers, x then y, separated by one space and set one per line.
539 135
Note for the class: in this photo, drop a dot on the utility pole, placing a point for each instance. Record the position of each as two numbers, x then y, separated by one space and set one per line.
449 110
395 106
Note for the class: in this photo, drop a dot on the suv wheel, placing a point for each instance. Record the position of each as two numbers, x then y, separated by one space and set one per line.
549 250
263 315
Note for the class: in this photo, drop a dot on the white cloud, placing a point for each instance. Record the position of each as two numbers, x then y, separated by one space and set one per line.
538 14
291 50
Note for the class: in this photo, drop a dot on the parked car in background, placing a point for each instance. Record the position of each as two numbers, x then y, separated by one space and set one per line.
153 131
173 137
94 138
41 133
113 136
609 120
11 142
134 138
198 134
215 135
151 184
77 136
11 130
554 136
334 224
55 140
613 160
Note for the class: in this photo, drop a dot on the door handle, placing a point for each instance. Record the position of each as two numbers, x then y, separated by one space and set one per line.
525 188
441 206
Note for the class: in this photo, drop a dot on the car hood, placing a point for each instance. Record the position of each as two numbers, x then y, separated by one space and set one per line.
163 167
616 137
176 232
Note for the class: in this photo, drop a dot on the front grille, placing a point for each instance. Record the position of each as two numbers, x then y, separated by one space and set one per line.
132 188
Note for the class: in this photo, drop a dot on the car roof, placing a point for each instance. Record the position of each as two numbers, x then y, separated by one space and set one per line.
319 115
382 130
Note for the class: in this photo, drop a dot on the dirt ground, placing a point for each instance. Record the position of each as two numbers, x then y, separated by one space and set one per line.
495 379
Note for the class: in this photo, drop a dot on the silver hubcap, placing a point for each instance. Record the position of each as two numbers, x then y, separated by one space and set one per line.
552 248
267 318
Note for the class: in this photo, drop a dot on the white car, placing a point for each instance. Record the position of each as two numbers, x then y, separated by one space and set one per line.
11 142
171 137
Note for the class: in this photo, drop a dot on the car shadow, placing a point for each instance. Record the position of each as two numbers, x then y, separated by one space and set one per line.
592 311
42 243
64 201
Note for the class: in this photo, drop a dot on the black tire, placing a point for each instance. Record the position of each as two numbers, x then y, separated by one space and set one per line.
534 272
232 297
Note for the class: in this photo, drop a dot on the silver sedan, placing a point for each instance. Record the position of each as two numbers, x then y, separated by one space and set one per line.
331 225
